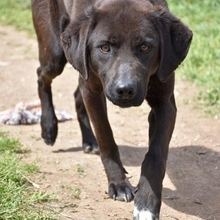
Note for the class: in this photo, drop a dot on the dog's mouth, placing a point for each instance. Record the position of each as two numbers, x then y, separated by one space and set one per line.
125 103
122 104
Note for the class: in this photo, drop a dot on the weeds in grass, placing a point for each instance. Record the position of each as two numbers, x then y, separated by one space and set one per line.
19 200
17 13
202 63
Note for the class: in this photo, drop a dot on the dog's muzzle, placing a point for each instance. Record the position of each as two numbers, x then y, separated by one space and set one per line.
125 94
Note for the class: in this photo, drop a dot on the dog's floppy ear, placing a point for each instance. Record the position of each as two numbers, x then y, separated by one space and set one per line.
175 39
74 40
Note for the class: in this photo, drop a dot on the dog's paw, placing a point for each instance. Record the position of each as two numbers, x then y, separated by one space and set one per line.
123 191
92 148
143 215
49 131
146 204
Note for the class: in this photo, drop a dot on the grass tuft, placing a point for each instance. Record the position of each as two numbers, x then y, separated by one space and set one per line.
19 200
202 63
17 13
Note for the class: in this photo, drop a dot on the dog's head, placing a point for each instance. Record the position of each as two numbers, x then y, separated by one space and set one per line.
124 43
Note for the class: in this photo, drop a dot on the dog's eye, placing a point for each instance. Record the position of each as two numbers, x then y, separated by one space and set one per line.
144 48
105 48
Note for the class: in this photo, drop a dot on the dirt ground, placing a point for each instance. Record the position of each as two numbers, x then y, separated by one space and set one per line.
192 182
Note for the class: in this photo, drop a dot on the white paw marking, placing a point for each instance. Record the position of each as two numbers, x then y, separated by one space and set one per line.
143 214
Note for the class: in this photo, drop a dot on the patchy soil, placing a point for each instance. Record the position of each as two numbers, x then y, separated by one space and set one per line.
192 181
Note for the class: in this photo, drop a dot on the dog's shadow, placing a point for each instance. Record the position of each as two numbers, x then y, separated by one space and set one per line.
195 175
130 156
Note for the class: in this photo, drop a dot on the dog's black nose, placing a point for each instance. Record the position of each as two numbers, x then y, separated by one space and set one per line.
125 91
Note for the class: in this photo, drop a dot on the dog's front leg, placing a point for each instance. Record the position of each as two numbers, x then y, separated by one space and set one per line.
149 189
119 186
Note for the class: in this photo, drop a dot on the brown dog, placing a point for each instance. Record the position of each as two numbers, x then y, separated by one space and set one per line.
127 51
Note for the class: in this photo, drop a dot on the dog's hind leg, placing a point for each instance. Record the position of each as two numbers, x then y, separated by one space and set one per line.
46 73
89 142
52 61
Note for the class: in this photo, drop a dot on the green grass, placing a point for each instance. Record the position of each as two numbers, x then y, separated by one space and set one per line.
202 64
18 198
80 170
75 192
17 13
